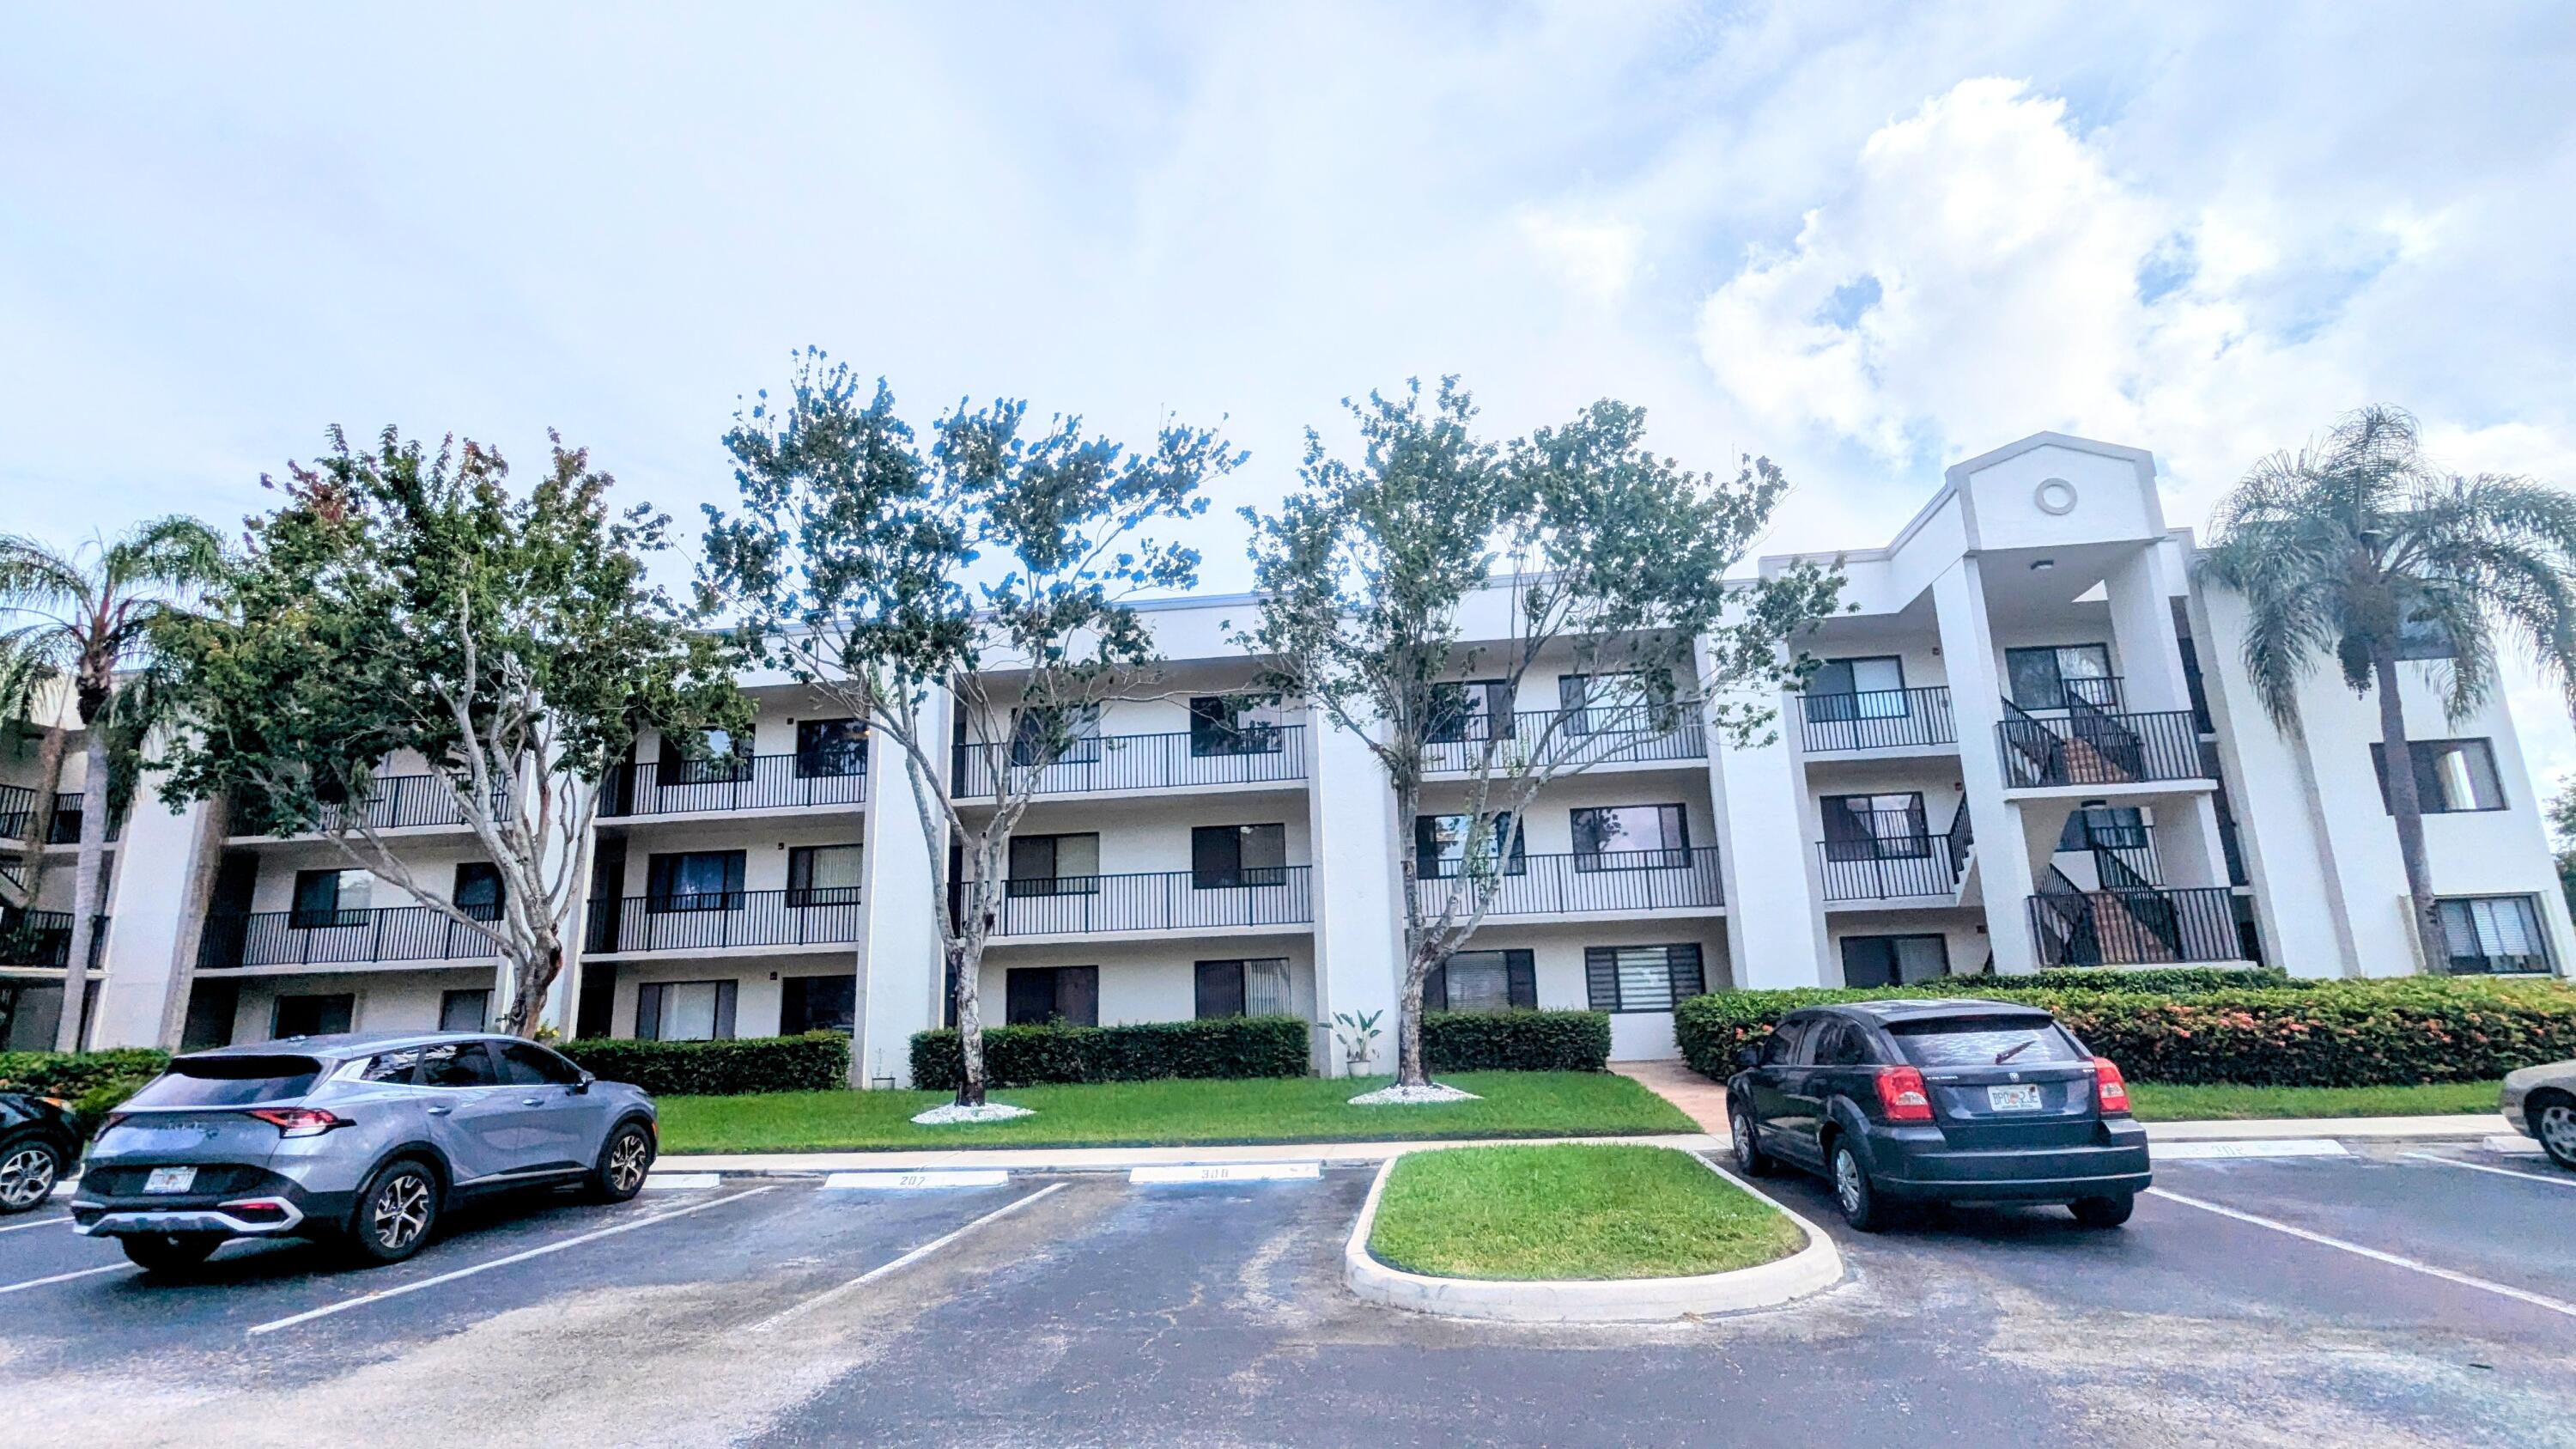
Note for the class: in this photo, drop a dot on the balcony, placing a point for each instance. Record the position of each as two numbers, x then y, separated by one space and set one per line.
1253 755
725 920
1608 882
2134 927
734 782
2089 746
1923 867
337 938
18 810
1169 900
1876 719
44 938
1606 735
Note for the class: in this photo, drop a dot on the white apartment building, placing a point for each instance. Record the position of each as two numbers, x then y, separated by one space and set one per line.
2030 745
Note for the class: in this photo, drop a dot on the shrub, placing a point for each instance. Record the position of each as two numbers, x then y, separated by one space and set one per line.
1516 1041
94 1082
817 1061
2323 1034
1021 1056
2160 980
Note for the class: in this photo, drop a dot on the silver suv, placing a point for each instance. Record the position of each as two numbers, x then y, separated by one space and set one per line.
359 1139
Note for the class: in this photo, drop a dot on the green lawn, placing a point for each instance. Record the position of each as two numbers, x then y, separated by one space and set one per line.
1571 1211
1172 1113
2234 1102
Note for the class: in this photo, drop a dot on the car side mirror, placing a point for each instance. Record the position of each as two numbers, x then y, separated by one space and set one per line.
584 1084
1747 1058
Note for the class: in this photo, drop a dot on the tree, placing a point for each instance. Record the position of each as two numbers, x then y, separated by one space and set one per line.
398 602
1437 557
2357 549
92 615
27 678
997 570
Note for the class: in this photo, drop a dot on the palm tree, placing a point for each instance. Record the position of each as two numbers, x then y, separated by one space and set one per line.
25 676
88 613
2355 547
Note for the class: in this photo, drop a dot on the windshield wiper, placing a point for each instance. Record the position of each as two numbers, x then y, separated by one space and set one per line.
2011 1052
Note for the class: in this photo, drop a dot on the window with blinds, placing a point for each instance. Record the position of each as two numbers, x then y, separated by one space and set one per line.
1642 978
2494 934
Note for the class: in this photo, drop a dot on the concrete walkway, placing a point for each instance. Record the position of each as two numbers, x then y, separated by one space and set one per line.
1702 1100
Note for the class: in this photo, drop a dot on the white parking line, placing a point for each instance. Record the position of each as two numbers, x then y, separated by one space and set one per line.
39 1223
382 1294
67 1277
2465 1280
681 1181
2498 1171
915 1256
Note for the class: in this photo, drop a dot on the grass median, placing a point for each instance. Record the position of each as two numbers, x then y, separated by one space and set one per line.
1174 1113
2238 1102
1571 1211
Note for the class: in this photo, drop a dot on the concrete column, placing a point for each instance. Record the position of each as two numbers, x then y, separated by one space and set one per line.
902 984
2142 631
2003 846
146 901
563 998
1359 921
1775 926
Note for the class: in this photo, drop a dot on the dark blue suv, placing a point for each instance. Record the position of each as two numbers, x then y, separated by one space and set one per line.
1919 1101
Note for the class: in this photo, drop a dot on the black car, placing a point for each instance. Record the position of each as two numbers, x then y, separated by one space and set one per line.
1924 1101
39 1137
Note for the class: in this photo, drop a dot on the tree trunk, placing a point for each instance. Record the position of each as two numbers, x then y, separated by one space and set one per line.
970 1024
530 980
1411 1070
88 890
2407 806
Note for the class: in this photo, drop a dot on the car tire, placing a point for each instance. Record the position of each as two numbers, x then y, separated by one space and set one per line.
29 1169
170 1252
2104 1212
396 1212
1854 1193
2553 1121
1750 1159
625 1160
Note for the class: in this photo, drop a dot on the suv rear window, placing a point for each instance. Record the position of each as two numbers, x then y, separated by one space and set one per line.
1985 1041
228 1081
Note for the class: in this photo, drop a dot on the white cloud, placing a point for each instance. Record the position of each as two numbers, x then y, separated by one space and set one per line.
1595 259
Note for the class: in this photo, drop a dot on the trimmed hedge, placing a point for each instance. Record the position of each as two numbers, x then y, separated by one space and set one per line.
1516 1041
1025 1056
815 1062
94 1082
2396 1032
2156 980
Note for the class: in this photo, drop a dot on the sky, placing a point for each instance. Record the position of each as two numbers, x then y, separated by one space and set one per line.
1865 240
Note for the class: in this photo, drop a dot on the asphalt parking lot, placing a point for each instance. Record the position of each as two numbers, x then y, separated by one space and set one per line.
2396 1295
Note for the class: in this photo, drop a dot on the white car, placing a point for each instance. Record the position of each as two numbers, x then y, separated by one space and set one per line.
2541 1102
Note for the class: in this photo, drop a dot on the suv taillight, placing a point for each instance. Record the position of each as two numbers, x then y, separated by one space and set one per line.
1902 1096
2109 1088
299 1121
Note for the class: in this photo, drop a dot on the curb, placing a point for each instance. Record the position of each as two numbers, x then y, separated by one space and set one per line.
1812 1269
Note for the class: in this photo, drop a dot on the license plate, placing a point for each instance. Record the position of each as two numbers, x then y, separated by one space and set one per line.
170 1179
2013 1099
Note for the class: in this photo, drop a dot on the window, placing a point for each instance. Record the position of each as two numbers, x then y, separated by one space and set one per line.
2494 934
1056 736
1894 960
1875 827
2059 675
818 1003
1986 1041
1483 981
313 1015
525 1064
1243 988
2105 827
831 747
1440 845
1631 837
2451 776
1601 702
1229 724
1780 1049
1844 1045
823 875
1040 995
2423 637
1865 688
331 898
456 1064
478 889
228 1081
1223 856
695 880
1468 711
464 1010
713 757
1054 865
684 1011
1642 978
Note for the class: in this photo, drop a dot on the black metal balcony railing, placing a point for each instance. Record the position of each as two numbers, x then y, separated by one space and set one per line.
18 809
1253 754
1876 719
2088 746
716 921
337 938
735 782
1599 735
1883 869
2134 927
1168 900
2101 691
1611 880
399 802
44 938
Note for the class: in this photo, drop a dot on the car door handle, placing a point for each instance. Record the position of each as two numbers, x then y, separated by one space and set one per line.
440 1110
532 1101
